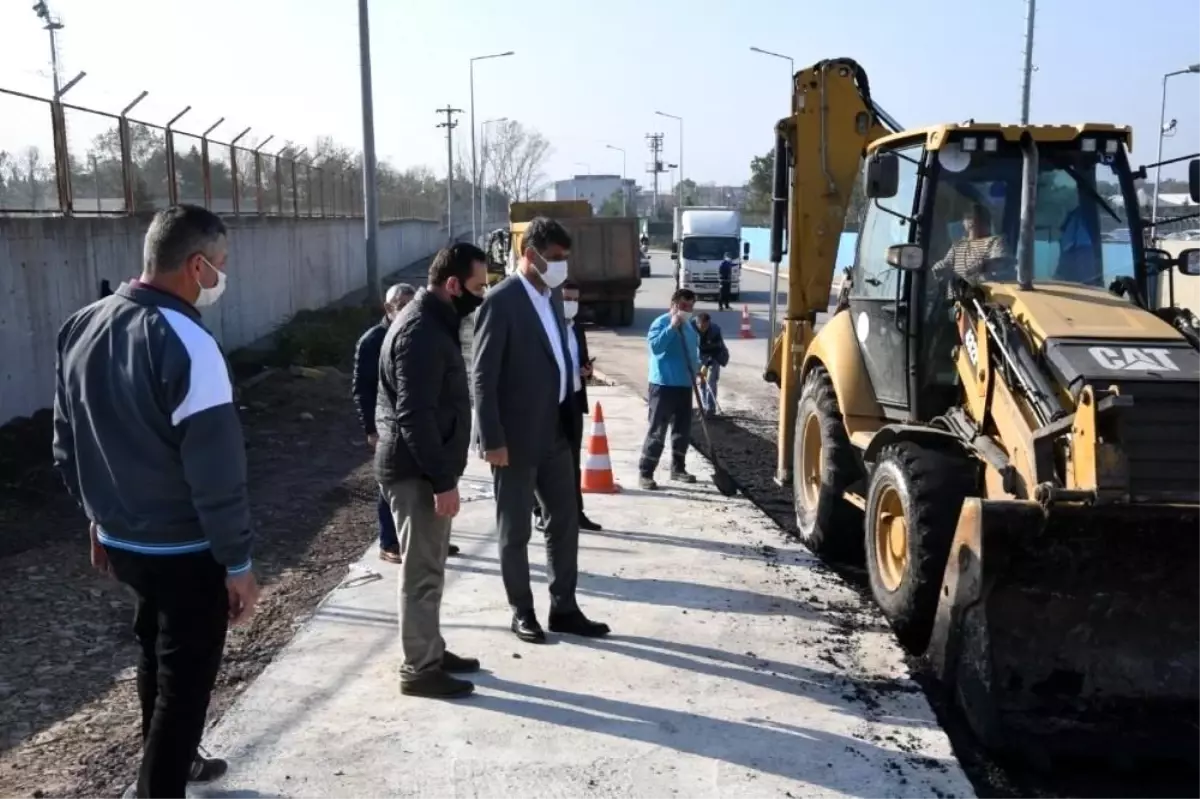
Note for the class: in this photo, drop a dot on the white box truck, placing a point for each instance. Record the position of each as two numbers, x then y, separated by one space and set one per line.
703 237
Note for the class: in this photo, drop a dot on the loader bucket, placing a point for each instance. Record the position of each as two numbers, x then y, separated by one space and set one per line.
1074 632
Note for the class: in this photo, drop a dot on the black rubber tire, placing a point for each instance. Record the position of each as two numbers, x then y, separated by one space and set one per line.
625 315
833 529
931 485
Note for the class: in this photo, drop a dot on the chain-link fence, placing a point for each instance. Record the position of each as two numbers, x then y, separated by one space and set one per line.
87 162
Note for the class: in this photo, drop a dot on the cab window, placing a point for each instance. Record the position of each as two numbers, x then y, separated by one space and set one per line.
873 278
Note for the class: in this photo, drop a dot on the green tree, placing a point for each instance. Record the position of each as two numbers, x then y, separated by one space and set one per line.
759 189
687 191
614 205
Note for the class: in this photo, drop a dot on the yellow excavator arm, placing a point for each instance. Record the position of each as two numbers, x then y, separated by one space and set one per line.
819 150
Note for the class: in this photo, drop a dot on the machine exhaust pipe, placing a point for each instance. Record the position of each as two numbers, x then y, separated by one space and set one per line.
1029 181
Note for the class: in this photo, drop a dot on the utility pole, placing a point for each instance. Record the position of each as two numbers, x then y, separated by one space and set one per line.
53 25
1027 80
656 166
370 188
450 124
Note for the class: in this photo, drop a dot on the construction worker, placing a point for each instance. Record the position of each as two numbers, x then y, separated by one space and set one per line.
725 274
713 356
674 361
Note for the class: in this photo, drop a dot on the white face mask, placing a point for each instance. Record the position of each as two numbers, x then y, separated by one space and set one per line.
685 315
555 274
210 295
570 308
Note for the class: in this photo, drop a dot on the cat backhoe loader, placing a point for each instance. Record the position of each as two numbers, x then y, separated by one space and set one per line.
995 418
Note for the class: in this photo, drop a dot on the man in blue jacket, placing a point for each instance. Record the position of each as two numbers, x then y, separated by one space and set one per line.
713 356
673 346
366 388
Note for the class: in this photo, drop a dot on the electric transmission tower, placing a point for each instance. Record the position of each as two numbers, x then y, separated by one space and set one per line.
450 124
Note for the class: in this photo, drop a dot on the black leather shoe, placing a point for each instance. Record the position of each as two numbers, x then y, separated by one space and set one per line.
527 629
454 664
575 623
587 524
437 685
453 549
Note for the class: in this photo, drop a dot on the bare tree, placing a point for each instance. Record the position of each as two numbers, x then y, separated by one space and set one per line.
516 158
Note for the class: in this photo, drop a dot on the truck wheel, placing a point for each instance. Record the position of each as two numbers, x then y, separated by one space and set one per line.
913 504
602 314
823 467
625 315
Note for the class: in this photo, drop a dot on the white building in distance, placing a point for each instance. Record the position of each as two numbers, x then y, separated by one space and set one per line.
596 189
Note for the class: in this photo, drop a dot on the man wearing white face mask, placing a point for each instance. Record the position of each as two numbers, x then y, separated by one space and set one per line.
674 356
148 442
581 370
525 413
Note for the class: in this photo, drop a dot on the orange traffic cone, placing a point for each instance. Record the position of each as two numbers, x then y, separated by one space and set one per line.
746 332
596 476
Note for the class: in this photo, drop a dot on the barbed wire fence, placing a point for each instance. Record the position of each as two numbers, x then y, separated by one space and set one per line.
95 163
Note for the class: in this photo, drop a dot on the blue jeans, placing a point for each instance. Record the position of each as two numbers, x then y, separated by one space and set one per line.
708 393
387 527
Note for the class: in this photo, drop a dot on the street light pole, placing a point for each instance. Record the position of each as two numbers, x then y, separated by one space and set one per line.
370 193
482 164
624 188
1027 77
791 67
679 184
1162 121
474 158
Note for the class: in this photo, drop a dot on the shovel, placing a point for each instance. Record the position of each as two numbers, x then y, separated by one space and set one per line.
721 478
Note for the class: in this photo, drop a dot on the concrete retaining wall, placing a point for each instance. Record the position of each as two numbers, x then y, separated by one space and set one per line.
50 267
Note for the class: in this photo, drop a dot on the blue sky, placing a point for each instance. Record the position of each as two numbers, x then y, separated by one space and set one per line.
587 74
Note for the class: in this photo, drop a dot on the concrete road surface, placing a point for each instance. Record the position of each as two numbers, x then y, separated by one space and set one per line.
737 667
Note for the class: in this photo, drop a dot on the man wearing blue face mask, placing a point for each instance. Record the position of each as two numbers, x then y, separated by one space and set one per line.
525 412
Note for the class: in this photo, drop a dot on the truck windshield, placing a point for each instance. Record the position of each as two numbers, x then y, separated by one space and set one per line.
709 248
1078 221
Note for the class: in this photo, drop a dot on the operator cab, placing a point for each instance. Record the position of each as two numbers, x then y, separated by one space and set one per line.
953 196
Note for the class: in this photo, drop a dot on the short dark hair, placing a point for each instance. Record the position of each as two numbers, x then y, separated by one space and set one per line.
570 285
683 295
457 260
978 211
176 234
703 317
543 231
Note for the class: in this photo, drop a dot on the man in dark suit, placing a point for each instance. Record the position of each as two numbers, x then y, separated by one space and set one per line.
524 413
581 366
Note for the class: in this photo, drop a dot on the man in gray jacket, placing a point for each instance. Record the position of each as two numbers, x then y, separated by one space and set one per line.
525 411
148 442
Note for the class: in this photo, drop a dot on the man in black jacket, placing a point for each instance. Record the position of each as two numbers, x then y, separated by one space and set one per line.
423 417
365 389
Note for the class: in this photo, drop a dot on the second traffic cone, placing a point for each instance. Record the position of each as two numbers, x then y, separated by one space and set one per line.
745 331
596 476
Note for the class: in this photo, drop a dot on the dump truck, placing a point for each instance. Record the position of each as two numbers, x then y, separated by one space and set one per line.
604 258
998 419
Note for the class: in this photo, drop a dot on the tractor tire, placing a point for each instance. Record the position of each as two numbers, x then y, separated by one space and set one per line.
823 467
913 503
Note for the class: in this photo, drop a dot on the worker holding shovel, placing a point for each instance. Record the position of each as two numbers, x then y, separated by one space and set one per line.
714 356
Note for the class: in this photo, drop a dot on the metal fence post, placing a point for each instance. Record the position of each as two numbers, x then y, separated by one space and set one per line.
233 172
258 183
169 144
206 177
62 161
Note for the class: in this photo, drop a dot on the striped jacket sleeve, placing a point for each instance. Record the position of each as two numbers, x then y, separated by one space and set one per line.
200 401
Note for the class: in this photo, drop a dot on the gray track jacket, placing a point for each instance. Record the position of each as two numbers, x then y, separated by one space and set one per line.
146 435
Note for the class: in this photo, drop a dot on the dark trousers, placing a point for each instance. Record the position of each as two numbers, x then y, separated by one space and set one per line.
726 294
180 620
548 483
387 526
669 406
576 436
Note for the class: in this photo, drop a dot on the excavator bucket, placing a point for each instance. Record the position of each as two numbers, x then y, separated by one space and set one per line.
1075 631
